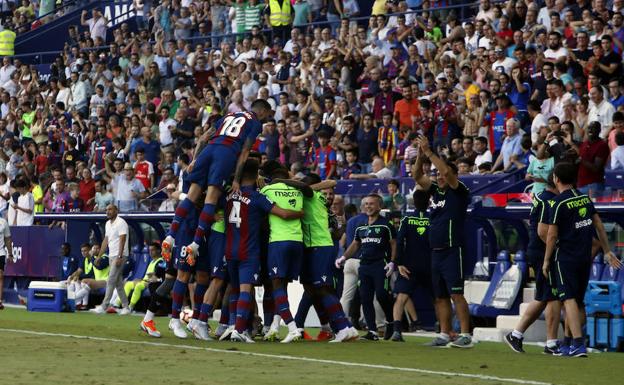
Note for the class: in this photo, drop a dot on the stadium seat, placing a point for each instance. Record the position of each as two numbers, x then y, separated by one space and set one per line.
610 274
597 268
483 310
523 265
142 261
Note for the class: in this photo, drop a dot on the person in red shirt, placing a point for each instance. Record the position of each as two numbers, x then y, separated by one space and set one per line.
144 169
87 189
41 160
593 154
407 110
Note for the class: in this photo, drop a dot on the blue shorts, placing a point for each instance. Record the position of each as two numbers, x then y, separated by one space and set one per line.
213 167
243 272
447 274
571 279
285 258
202 263
216 246
318 265
180 260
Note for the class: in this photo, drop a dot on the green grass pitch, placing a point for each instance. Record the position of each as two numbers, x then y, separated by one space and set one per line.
121 354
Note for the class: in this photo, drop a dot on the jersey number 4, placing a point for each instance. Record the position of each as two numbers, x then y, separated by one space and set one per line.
232 126
235 217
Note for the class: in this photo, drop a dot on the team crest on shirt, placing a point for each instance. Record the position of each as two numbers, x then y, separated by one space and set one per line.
421 230
377 230
292 202
275 270
551 203
582 212
255 277
324 278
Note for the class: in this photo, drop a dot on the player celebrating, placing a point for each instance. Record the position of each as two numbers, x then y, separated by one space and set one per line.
569 238
245 210
413 258
285 252
377 242
225 154
449 201
317 273
544 296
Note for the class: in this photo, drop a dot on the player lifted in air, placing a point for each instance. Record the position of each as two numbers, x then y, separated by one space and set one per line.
225 154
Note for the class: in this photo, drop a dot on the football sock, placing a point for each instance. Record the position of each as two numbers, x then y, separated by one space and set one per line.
180 215
567 341
281 303
517 334
576 342
242 311
268 307
444 336
149 316
204 312
177 297
206 218
276 322
225 312
551 343
198 299
334 312
397 326
234 294
303 309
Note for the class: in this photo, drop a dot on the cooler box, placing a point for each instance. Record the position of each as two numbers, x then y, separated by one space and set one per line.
605 331
603 297
47 296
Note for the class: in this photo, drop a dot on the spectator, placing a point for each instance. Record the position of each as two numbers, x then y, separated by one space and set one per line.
6 253
394 200
74 204
22 209
593 154
379 171
483 154
127 190
144 170
539 169
511 146
103 197
617 155
600 110
96 24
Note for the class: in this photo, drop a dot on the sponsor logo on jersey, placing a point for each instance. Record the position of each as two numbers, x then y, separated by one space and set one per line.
371 240
584 223
437 205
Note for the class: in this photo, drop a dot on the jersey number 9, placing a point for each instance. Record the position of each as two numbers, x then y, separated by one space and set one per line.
232 126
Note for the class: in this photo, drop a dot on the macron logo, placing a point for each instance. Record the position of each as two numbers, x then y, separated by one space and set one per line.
275 270
324 278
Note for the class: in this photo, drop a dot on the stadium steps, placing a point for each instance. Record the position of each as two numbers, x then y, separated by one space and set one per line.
506 323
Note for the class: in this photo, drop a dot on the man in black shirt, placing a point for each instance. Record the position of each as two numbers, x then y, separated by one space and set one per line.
449 201
609 64
578 57
573 223
376 241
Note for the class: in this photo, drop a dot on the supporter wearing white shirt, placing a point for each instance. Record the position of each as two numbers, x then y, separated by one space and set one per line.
127 190
486 12
483 154
380 171
503 62
78 99
22 213
617 155
97 24
543 17
164 127
555 51
6 70
539 121
600 110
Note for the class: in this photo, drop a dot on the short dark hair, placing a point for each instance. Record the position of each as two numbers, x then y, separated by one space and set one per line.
86 244
156 245
394 182
260 104
250 169
565 172
421 200
376 196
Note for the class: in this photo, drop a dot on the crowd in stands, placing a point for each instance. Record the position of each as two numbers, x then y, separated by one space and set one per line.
520 84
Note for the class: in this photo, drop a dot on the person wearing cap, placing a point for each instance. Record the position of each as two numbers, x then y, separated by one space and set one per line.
127 190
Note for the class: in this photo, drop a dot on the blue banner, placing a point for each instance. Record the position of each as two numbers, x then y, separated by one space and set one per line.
35 250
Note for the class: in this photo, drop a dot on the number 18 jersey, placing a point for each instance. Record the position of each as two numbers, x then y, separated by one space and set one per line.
235 128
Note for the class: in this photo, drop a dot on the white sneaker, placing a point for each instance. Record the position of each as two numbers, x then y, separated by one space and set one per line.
294 335
200 331
241 337
191 325
271 335
220 330
343 335
353 334
125 311
98 310
176 327
227 333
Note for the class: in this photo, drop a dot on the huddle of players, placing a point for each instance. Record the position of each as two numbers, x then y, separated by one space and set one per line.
227 245
562 244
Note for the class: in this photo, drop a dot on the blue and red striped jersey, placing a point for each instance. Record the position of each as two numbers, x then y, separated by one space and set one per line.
235 128
244 214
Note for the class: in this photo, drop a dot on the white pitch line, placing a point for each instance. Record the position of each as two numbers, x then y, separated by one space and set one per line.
283 357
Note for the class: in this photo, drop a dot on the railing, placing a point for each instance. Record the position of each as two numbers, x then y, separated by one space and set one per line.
465 11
